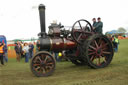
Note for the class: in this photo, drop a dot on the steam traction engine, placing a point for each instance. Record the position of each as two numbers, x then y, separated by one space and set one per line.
81 45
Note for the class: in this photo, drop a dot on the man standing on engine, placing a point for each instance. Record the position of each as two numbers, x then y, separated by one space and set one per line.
94 22
99 26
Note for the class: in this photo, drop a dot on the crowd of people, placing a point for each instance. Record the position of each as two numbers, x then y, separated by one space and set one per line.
24 50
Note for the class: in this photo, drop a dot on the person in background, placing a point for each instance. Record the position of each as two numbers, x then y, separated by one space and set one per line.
2 52
56 57
31 47
18 49
5 53
115 42
22 53
99 26
26 52
55 54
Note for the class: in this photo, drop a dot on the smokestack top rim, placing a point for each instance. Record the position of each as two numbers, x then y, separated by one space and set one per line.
41 6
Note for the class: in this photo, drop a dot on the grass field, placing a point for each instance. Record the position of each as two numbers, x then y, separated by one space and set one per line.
66 73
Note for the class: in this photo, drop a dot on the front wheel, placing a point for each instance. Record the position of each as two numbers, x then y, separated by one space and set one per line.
42 64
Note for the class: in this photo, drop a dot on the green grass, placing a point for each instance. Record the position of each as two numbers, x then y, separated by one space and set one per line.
66 73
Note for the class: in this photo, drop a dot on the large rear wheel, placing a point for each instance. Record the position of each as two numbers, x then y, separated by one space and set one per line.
98 51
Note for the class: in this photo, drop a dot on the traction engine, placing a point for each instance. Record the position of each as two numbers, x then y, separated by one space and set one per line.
81 45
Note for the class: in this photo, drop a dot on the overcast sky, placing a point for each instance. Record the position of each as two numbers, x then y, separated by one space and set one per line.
20 18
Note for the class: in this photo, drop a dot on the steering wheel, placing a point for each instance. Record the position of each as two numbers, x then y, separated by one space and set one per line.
80 29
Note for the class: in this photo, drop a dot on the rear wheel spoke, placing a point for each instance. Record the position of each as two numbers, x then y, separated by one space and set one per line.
92 47
98 61
92 58
104 49
96 44
91 53
90 50
105 59
104 52
104 45
99 41
101 44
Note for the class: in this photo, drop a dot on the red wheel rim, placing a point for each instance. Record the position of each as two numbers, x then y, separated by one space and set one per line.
99 51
